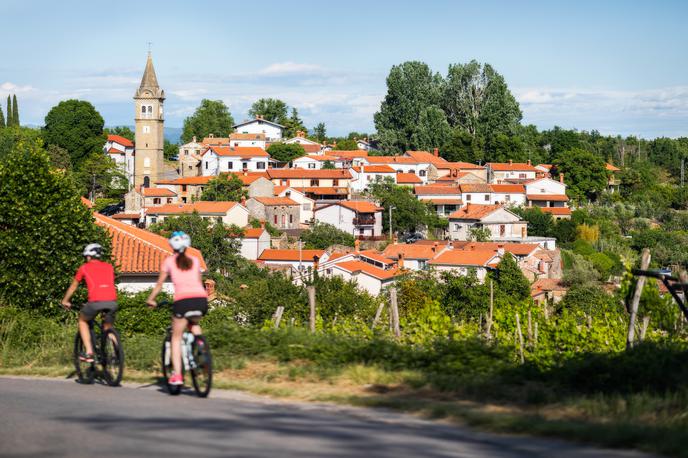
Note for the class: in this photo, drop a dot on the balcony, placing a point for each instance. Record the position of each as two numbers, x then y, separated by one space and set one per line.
364 221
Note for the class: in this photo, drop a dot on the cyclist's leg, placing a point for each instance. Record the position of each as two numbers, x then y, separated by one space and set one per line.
196 327
178 326
85 332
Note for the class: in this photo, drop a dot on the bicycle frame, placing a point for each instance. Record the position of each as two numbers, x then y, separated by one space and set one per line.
187 355
677 289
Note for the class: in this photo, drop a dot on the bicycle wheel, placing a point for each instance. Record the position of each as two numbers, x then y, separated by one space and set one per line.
202 372
85 372
166 365
112 357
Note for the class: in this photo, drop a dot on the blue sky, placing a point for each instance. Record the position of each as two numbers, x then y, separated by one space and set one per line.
619 67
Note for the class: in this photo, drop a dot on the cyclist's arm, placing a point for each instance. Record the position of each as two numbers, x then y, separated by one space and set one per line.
158 287
70 292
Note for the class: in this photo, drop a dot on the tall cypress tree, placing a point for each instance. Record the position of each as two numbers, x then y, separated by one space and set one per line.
9 112
2 118
15 111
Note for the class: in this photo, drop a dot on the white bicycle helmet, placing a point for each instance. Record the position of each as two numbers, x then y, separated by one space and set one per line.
93 249
180 241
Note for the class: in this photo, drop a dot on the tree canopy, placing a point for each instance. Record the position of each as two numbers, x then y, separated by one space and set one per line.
584 173
408 214
76 126
322 236
273 110
224 187
122 131
211 117
285 152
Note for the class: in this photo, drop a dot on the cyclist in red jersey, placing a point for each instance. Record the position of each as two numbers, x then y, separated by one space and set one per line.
100 281
190 297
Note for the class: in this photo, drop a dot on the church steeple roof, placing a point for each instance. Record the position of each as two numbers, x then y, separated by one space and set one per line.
149 82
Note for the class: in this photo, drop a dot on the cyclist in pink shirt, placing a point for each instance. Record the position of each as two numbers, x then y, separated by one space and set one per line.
190 297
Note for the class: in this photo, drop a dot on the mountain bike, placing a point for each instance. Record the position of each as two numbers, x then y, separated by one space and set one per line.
107 352
196 358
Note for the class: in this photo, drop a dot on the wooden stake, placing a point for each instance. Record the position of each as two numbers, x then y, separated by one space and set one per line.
530 329
489 316
311 302
378 312
535 335
643 330
644 264
278 316
520 338
395 311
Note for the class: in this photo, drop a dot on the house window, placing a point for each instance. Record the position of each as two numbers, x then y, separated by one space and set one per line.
154 220
169 200
156 201
285 182
183 200
291 219
421 173
315 182
183 188
284 220
146 129
206 165
457 227
260 165
186 152
507 198
522 175
244 165
230 165
487 197
275 219
468 197
146 181
190 167
542 190
311 165
335 182
502 230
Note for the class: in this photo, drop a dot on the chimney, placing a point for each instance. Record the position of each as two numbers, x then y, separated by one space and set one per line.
436 152
529 162
400 261
262 224
500 251
395 239
193 139
561 177
210 288
243 200
357 246
434 246
211 135
316 262
511 162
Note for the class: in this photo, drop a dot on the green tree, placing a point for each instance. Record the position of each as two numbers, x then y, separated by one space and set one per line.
59 157
211 117
122 131
12 138
463 147
273 110
320 132
225 187
477 99
540 224
479 234
9 121
100 176
408 214
511 280
15 111
43 229
346 145
293 124
76 126
322 236
219 251
170 150
584 173
432 130
411 88
2 118
328 165
285 152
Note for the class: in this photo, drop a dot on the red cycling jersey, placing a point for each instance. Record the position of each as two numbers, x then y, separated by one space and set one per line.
100 280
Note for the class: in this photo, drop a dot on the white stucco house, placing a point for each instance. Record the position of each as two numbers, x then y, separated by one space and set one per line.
363 175
368 277
461 261
121 150
247 140
501 223
307 204
253 242
362 219
273 132
511 172
218 159
227 213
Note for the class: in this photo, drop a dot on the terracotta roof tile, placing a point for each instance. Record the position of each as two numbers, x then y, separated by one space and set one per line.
412 251
374 169
391 160
309 173
253 232
158 192
512 166
408 178
426 190
464 258
361 206
517 249
255 137
443 201
121 140
558 211
290 255
238 151
375 256
368 269
611 168
509 188
272 201
349 154
550 197
202 207
474 211
476 187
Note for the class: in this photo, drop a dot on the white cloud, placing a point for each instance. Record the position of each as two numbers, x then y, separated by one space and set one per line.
289 68
15 88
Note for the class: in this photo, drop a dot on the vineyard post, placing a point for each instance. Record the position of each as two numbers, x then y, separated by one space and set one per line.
395 311
520 338
278 316
311 302
644 264
489 316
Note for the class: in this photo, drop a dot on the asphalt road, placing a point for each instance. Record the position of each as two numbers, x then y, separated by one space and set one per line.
49 418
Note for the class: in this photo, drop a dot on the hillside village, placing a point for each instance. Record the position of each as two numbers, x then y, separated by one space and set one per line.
326 185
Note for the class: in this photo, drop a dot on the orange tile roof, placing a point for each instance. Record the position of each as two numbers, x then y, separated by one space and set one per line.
158 192
86 202
324 190
253 232
427 190
464 166
463 258
391 160
310 148
216 141
361 206
202 207
375 256
136 250
512 166
425 156
237 136
476 187
115 151
374 169
550 197
408 178
518 249
195 180
238 151
126 216
545 166
509 188
290 255
546 284
349 154
412 251
558 211
272 201
474 211
321 157
443 201
309 173
368 269
121 140
611 168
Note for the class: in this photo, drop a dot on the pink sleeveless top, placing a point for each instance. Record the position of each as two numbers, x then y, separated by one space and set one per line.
187 283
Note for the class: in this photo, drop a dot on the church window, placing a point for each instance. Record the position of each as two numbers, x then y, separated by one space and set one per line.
146 181
146 162
146 129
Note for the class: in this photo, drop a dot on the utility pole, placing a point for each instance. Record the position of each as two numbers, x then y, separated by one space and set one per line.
93 187
391 236
683 162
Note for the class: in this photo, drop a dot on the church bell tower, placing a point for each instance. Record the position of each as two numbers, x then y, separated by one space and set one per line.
149 120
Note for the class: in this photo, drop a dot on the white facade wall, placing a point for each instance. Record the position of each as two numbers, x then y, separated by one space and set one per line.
137 284
361 180
546 186
499 176
254 142
307 204
213 165
343 219
509 198
253 248
482 198
305 162
259 126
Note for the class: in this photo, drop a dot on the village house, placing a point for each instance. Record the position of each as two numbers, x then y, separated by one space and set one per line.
407 179
414 256
153 197
189 158
511 172
398 163
253 242
308 145
302 178
121 150
298 260
613 180
511 195
445 199
223 212
217 159
273 132
363 175
191 188
316 161
299 196
501 223
462 261
367 276
549 195
281 212
238 140
362 219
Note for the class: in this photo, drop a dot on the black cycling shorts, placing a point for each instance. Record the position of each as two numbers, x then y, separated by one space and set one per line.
91 309
193 307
